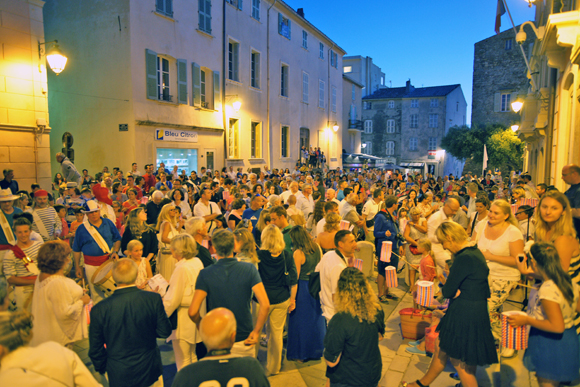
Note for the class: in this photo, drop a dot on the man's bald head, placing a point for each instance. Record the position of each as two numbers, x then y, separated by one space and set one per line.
451 207
571 174
218 329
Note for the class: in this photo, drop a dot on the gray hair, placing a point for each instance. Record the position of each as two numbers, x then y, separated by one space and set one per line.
157 195
272 199
252 175
60 154
184 246
125 271
193 225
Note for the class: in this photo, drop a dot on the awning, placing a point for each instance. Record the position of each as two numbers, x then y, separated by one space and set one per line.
360 160
412 165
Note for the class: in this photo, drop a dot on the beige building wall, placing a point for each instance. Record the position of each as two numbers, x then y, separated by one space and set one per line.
24 129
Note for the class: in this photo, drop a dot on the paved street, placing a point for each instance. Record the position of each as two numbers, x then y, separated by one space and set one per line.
398 365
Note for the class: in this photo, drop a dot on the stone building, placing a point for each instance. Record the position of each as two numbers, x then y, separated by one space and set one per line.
351 114
405 126
499 76
24 125
160 81
363 70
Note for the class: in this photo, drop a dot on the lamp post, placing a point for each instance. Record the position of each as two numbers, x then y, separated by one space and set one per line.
55 58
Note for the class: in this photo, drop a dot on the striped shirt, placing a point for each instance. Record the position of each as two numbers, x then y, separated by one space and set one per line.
14 267
51 222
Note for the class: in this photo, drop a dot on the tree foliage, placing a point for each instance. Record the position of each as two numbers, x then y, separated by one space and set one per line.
504 149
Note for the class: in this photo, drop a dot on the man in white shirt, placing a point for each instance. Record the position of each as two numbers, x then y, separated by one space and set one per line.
253 180
206 209
305 202
134 170
293 190
371 208
232 175
445 214
330 267
331 196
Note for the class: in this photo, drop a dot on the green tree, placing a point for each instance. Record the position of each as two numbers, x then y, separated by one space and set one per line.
504 149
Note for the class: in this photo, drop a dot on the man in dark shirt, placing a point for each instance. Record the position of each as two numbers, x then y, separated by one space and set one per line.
229 284
571 175
153 207
9 181
253 213
220 367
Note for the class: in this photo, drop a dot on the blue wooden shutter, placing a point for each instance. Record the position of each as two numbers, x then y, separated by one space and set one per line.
280 20
216 90
240 5
290 30
182 81
196 76
151 70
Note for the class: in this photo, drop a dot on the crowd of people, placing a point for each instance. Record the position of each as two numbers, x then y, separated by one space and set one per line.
223 262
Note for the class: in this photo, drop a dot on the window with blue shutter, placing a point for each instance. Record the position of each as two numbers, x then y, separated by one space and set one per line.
182 81
151 70
165 7
256 9
284 26
217 97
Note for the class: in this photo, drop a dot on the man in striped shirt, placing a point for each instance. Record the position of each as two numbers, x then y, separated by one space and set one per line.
46 220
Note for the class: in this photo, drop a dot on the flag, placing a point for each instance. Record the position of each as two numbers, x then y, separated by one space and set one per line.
484 159
500 11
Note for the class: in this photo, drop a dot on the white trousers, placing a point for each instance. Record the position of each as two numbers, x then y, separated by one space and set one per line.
184 353
96 294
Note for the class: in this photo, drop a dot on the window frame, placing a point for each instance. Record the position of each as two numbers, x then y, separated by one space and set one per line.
391 104
368 126
234 139
433 120
321 50
305 86
205 15
434 103
304 40
255 140
391 126
255 68
284 26
233 60
414 121
413 143
256 10
164 7
390 148
285 141
161 87
505 107
321 93
432 145
284 80
415 103
368 149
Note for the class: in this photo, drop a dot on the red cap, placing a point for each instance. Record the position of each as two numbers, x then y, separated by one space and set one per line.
40 193
102 194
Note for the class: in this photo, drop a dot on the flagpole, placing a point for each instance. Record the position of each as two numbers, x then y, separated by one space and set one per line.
521 48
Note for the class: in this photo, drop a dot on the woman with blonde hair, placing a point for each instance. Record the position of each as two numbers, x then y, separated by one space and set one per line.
262 222
465 336
48 364
278 272
500 241
517 194
306 325
179 296
326 238
166 230
351 345
144 273
245 247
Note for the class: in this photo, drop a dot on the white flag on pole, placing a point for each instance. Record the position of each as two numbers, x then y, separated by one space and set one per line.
484 159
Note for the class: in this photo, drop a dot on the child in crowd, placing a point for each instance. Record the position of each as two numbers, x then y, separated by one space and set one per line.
144 273
119 215
61 211
553 348
74 225
427 270
527 224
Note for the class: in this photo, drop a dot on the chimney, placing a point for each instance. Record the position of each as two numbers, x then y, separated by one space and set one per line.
409 87
300 12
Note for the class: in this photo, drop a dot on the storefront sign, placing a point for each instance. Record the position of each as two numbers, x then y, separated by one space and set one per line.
175 135
431 154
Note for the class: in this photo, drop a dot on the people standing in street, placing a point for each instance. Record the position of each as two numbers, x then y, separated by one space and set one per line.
69 171
9 181
46 221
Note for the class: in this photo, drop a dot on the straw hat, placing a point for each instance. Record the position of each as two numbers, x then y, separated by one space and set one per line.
6 195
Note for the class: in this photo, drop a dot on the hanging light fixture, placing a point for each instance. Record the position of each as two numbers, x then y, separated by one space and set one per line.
55 58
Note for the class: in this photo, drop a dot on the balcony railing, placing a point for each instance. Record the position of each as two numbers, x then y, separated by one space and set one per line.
355 124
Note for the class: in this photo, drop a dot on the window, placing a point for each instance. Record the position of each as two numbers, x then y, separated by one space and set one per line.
347 69
284 80
414 123
321 49
202 88
508 44
353 96
432 143
368 126
284 26
391 126
284 141
367 105
506 102
235 3
367 147
414 103
413 143
304 87
434 102
333 59
333 99
305 39
205 15
256 140
433 120
163 79
255 69
457 106
321 94
204 82
391 104
234 139
165 7
390 150
256 9
233 60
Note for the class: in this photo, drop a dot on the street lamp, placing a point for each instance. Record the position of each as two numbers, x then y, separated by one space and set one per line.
55 58
515 127
517 105
236 104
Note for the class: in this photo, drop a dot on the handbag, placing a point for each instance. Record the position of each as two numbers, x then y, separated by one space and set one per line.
414 250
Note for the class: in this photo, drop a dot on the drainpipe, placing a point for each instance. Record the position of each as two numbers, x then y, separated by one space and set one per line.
331 131
224 50
269 131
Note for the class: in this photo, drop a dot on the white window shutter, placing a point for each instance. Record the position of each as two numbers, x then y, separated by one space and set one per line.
151 70
497 102
196 76
216 90
182 81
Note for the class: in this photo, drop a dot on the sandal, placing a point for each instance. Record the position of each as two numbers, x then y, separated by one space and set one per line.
383 299
405 384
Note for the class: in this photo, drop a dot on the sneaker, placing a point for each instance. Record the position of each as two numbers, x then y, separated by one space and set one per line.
414 343
392 297
383 299
415 350
508 353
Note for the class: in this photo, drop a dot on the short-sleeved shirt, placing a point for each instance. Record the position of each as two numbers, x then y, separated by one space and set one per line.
200 209
550 291
358 344
252 215
86 244
330 267
573 195
501 247
221 371
228 284
14 267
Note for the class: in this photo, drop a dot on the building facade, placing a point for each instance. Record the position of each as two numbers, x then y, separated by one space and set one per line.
161 81
499 76
24 124
363 70
550 117
405 125
351 115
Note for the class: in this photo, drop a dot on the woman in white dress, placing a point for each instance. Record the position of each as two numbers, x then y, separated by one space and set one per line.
179 296
166 230
58 303
144 274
